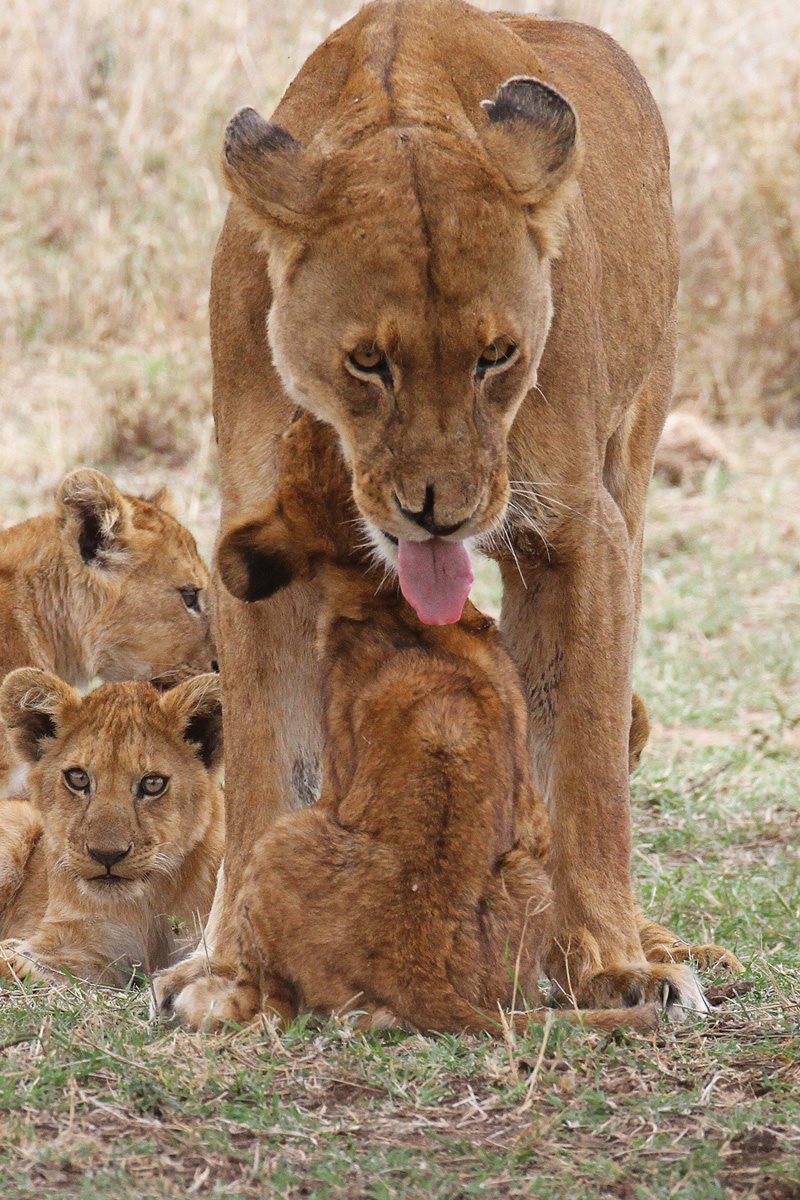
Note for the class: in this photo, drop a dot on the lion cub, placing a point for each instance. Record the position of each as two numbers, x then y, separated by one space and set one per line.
415 890
106 585
124 829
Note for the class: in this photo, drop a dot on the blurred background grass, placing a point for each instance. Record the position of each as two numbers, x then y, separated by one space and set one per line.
111 118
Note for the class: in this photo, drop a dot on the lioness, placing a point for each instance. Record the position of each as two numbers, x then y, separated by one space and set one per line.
124 830
416 889
107 585
454 242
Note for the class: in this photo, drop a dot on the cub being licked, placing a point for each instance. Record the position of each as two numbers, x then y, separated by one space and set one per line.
106 585
124 829
415 890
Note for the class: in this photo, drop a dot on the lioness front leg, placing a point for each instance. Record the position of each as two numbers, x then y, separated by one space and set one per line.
570 625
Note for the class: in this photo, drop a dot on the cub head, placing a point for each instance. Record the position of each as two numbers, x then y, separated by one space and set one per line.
410 269
125 777
144 567
310 518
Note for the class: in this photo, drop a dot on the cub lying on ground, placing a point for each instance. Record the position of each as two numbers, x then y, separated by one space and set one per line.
106 585
415 890
124 830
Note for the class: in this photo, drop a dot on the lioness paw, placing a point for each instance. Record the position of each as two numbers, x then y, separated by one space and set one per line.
660 945
671 986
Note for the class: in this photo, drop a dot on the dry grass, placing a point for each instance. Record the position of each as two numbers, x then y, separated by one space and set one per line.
110 124
726 74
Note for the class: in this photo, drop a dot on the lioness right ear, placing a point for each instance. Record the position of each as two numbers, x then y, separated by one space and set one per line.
196 706
95 517
32 704
533 137
257 559
268 169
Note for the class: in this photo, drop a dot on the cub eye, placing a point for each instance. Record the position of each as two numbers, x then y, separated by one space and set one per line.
368 360
500 352
77 780
191 597
152 785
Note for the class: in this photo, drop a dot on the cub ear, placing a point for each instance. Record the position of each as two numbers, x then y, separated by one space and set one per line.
533 137
196 708
95 517
257 559
32 706
268 170
164 499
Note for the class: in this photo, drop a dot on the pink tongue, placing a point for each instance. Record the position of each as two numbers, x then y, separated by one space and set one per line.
435 578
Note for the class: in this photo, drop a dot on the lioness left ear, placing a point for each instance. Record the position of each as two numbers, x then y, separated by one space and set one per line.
32 705
532 135
196 707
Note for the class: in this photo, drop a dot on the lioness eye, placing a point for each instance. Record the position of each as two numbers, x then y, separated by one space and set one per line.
77 780
368 360
191 597
497 354
153 785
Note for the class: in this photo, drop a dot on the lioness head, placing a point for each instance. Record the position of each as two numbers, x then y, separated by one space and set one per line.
147 582
410 268
125 777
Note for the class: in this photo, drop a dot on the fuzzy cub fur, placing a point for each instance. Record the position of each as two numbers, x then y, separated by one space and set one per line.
106 585
415 890
124 829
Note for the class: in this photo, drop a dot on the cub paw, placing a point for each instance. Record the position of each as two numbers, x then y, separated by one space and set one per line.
200 997
672 987
167 985
209 1004
18 964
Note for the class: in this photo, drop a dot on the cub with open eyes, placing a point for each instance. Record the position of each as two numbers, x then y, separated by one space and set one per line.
106 585
124 830
415 890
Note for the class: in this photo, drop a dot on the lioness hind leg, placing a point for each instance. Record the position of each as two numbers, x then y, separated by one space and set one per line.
660 945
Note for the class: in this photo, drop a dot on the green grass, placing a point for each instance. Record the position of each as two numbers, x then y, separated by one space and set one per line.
95 1103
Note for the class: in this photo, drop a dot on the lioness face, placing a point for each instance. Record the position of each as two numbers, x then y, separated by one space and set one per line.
411 301
124 777
422 377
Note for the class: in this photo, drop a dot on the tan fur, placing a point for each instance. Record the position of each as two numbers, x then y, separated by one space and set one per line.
56 913
384 207
417 885
93 589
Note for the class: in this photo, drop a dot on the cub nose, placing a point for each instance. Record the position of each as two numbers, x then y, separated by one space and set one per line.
107 857
425 517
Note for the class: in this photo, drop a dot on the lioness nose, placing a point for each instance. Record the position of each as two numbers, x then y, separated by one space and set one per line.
107 857
425 516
